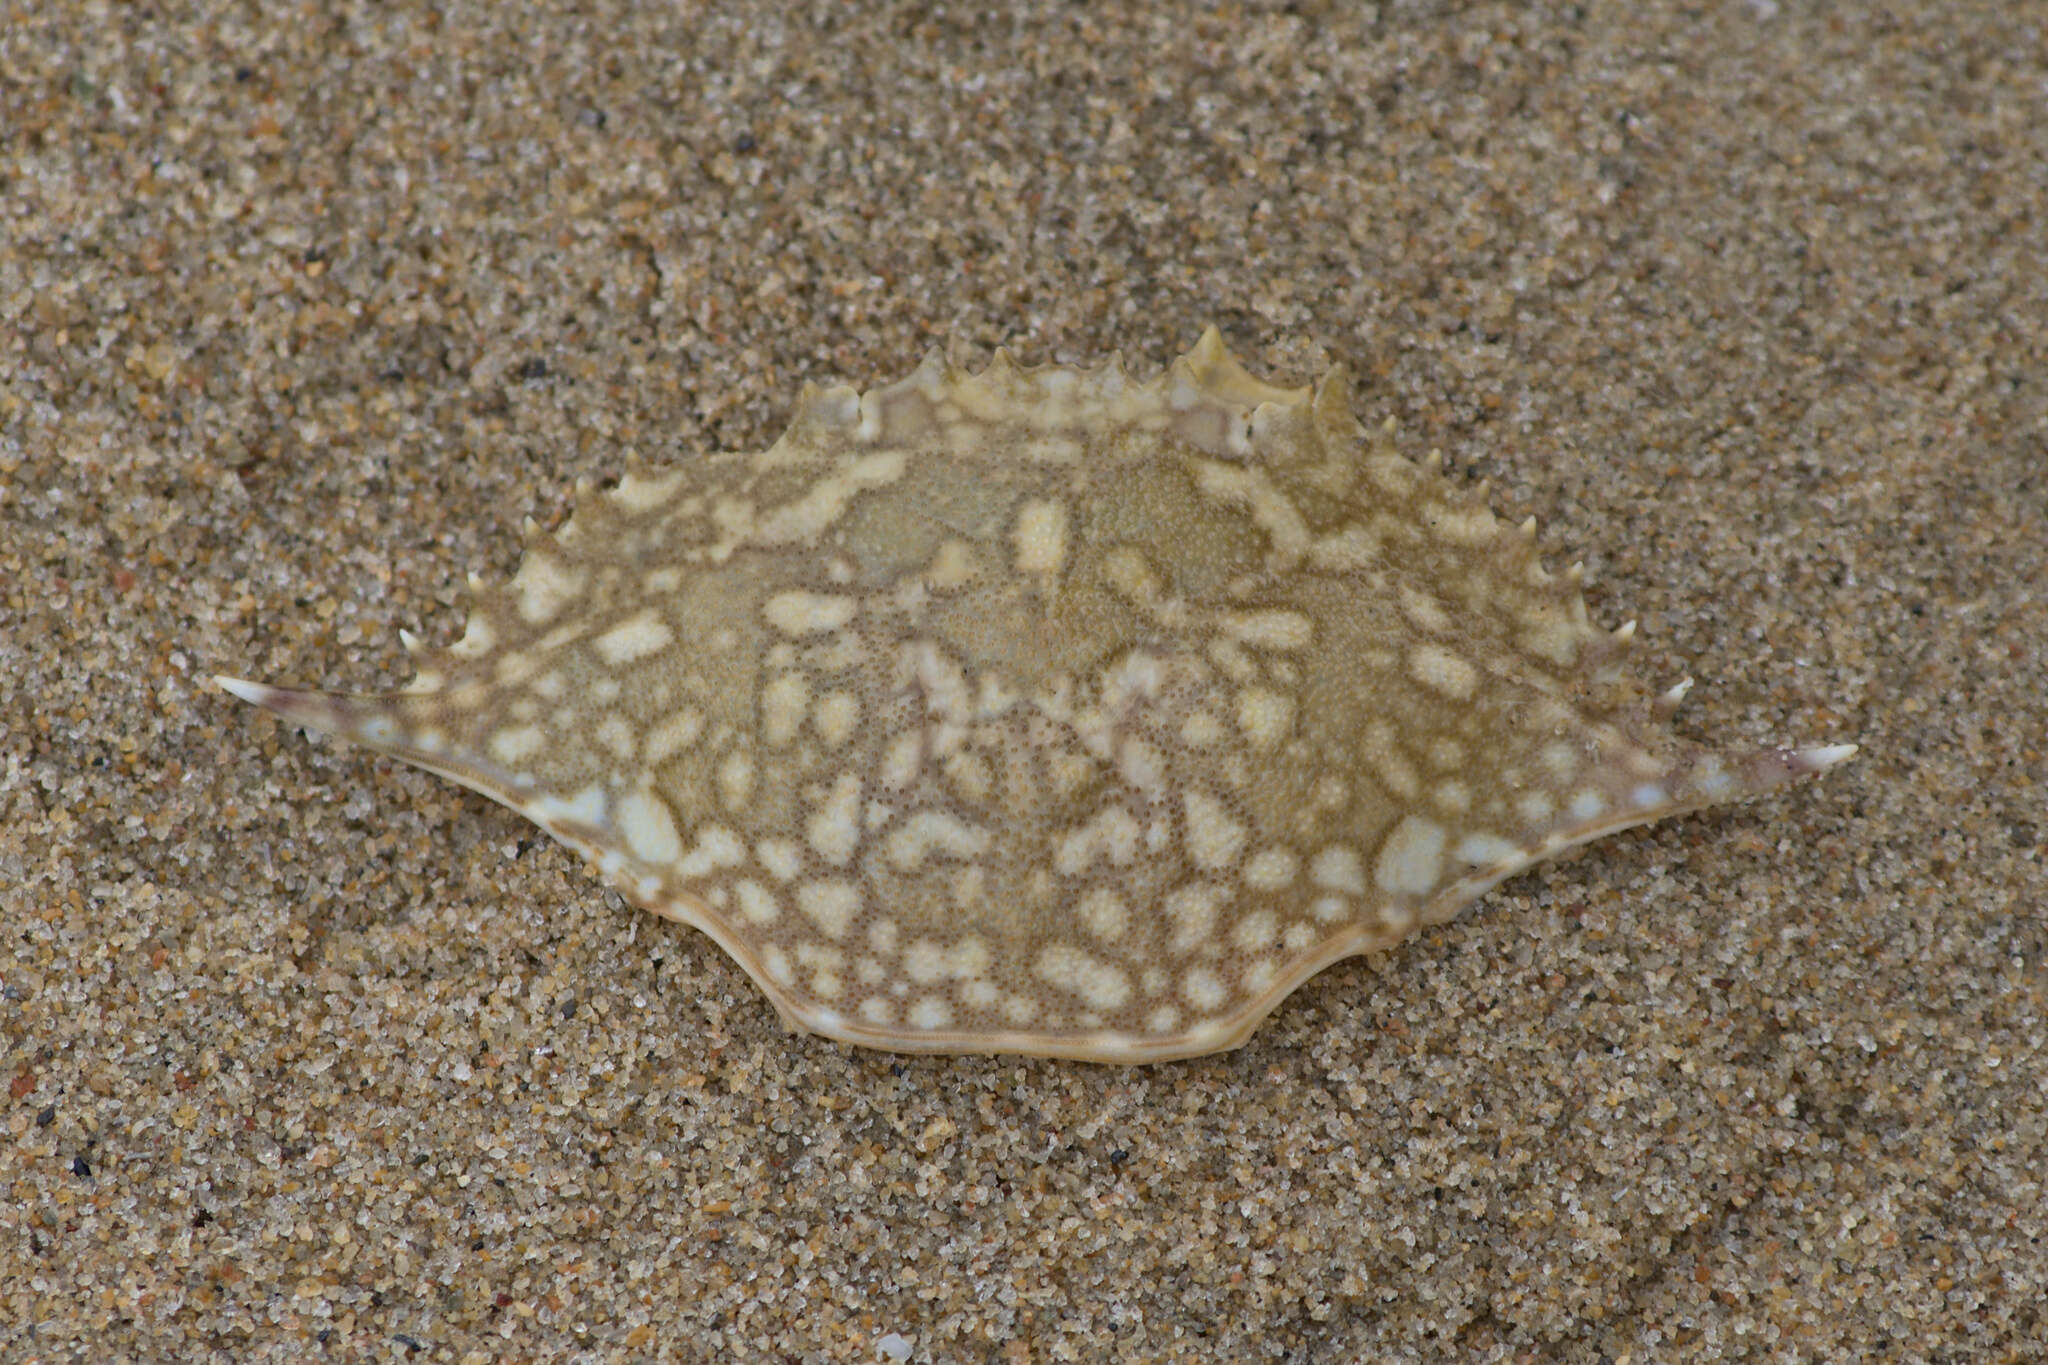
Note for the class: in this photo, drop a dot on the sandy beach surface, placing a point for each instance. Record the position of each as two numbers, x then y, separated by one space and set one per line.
311 1056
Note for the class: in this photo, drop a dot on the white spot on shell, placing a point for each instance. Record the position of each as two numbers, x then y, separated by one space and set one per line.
1200 988
798 613
951 567
927 961
1041 537
616 735
1443 672
1411 858
1486 850
716 849
735 779
585 810
1329 909
1192 910
1112 834
933 834
782 858
757 902
1130 575
544 586
649 829
1255 932
1264 716
1278 630
1099 984
783 703
826 500
835 718
1202 730
1278 517
673 734
1103 911
633 639
834 831
902 759
1214 838
1423 610
1143 766
1270 869
1338 868
830 904
516 744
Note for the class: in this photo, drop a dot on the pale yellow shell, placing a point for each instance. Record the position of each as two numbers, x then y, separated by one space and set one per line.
1044 711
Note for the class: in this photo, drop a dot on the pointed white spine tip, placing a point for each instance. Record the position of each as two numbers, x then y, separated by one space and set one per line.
476 584
252 692
1820 759
294 705
1528 528
1576 574
1434 461
585 486
1625 632
411 641
1667 702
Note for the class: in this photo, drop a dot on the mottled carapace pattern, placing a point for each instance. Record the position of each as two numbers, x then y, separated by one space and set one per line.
1047 711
